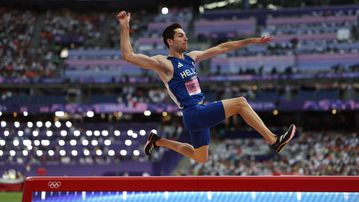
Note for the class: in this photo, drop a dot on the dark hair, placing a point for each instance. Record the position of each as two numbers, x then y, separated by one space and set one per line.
169 32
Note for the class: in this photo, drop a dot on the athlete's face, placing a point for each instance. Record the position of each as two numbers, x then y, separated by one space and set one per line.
180 40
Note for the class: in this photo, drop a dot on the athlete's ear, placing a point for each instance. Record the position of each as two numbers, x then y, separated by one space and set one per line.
170 42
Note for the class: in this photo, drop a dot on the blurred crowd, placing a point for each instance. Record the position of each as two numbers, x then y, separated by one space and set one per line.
311 153
31 41
10 175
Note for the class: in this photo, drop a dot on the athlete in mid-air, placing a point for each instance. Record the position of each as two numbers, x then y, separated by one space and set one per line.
178 73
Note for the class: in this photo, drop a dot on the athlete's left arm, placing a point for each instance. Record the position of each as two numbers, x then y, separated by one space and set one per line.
198 56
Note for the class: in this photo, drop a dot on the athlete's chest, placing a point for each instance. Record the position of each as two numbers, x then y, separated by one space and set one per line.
184 69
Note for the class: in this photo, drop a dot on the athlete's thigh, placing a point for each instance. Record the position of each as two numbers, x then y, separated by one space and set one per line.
204 116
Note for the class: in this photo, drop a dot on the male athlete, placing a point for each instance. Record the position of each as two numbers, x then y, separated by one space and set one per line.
178 73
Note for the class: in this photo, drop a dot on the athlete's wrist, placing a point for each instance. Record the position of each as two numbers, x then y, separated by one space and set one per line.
125 26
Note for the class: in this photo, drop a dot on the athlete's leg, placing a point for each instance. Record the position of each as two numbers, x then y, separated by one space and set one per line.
240 106
198 154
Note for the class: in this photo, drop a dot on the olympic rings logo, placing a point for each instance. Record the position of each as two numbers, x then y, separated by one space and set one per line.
54 184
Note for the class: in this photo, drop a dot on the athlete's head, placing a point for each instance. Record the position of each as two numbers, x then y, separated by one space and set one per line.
175 37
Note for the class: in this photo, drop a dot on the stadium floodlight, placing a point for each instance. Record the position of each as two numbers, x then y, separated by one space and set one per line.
94 142
128 142
98 152
26 142
63 133
47 124
12 153
25 113
2 142
39 124
334 111
85 142
37 143
16 124
117 133
45 143
76 133
275 112
104 133
20 133
61 142
64 53
62 152
111 152
90 114
164 10
164 114
89 133
147 113
96 133
51 152
201 9
107 142
142 132
16 142
134 135
136 152
25 152
68 124
154 131
59 113
86 152
3 124
6 133
57 124
130 133
272 7
30 124
74 153
49 133
123 152
39 153
35 133
0 113
73 142
1 153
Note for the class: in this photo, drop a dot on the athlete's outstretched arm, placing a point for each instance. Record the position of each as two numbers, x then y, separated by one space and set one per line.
226 47
126 47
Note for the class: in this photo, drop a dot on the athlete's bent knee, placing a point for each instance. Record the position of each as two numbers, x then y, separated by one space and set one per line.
241 102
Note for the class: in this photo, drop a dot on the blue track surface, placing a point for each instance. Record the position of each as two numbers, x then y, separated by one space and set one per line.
195 196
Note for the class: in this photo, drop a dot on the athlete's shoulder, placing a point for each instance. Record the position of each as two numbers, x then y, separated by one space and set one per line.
193 54
166 65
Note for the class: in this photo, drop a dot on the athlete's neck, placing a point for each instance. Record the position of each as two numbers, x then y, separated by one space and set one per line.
176 54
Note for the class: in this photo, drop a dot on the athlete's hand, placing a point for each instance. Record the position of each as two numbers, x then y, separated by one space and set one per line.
264 39
123 18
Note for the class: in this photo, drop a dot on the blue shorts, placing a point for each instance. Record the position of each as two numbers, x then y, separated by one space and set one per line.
200 118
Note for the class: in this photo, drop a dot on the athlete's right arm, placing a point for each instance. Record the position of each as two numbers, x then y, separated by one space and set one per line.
126 47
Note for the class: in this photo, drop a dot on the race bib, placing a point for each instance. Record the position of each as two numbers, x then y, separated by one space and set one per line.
193 87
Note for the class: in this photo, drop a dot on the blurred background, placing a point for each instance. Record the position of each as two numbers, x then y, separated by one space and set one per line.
69 105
